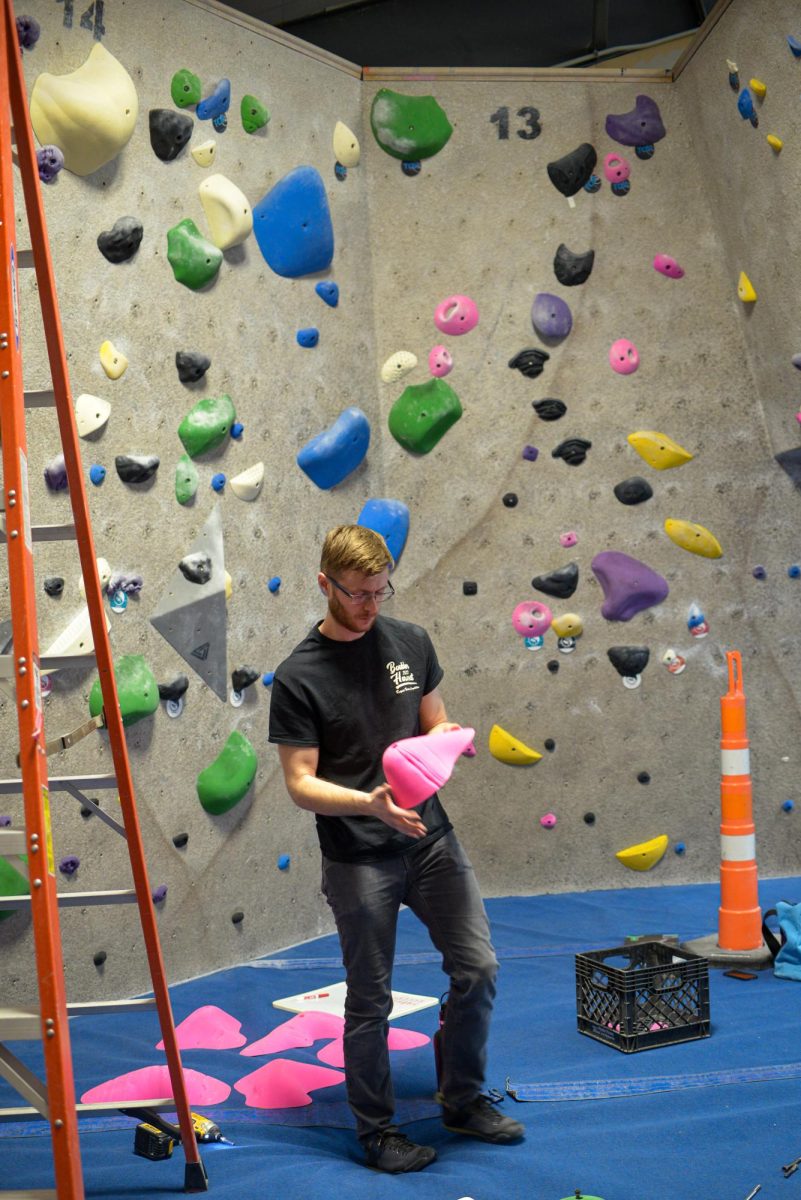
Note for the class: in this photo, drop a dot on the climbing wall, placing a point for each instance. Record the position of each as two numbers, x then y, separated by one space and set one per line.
545 454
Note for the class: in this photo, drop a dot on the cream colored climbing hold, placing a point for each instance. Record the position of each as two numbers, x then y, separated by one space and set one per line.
228 213
248 484
509 750
91 414
644 855
113 362
103 570
745 289
346 145
75 639
89 114
397 365
204 153
229 586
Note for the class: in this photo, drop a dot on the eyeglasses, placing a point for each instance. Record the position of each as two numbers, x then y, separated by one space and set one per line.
363 597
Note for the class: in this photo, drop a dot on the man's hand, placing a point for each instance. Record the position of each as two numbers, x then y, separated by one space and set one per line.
403 819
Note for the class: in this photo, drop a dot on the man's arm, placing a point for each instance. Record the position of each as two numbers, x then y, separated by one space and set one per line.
433 717
310 792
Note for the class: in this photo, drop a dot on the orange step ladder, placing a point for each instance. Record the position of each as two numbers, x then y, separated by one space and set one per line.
55 1099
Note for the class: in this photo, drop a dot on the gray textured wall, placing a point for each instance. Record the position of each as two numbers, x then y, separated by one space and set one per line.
482 218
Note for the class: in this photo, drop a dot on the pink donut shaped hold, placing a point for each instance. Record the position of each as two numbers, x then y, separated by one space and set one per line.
623 357
568 539
616 168
440 361
668 266
548 821
532 619
455 315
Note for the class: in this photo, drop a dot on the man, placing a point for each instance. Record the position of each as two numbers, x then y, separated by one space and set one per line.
356 683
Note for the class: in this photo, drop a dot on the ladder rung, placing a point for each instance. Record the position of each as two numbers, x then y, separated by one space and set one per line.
42 399
49 662
44 533
24 259
14 1114
25 1024
29 1195
12 841
83 1008
13 787
76 899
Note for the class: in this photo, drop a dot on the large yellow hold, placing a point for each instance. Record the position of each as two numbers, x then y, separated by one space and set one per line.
509 750
644 855
695 538
658 450
89 114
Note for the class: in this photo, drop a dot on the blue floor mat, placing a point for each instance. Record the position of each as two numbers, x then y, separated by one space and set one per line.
697 1120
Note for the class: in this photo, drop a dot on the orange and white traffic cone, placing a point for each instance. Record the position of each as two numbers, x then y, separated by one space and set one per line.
739 936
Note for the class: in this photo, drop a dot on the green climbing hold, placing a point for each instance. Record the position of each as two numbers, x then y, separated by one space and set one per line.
194 261
186 479
254 114
225 781
422 414
12 883
409 127
137 690
206 425
185 88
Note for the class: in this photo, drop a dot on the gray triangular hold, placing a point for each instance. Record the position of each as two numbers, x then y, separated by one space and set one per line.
192 617
790 461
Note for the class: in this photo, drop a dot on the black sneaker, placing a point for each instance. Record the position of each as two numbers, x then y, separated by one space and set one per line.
481 1119
392 1151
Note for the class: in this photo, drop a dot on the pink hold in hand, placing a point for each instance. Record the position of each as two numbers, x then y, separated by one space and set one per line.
624 357
456 315
440 361
668 266
416 767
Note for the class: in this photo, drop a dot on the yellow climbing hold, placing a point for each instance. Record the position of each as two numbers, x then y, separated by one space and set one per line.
346 145
658 450
568 625
758 88
229 586
509 750
112 361
694 538
204 153
745 289
774 142
644 855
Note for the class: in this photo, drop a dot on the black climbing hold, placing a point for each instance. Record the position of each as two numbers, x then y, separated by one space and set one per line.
469 588
634 490
196 567
99 957
238 917
561 583
169 132
510 500
549 744
569 173
790 461
54 585
121 242
589 818
174 690
192 365
629 661
573 451
87 812
243 677
529 362
180 840
553 666
549 409
28 32
572 269
136 468
643 777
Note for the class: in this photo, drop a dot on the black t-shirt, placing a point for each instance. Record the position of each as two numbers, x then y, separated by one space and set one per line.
351 700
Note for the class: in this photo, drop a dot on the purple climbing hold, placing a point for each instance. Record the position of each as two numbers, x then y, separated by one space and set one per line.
69 864
5 821
49 160
55 474
629 585
29 29
125 581
641 127
159 893
551 316
530 453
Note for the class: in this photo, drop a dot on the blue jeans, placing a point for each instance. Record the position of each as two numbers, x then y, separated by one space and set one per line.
437 883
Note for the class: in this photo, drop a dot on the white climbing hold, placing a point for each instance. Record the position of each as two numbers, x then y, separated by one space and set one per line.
248 484
204 153
397 365
75 639
103 570
91 414
346 145
227 210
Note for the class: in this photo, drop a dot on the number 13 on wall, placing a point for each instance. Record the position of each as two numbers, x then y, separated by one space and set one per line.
529 116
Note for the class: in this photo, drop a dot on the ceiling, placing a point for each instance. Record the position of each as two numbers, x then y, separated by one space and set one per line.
470 33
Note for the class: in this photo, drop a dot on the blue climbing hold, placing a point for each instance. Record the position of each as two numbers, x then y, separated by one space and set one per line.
331 456
745 105
327 290
97 474
390 518
217 103
308 337
283 861
795 45
292 224
788 805
218 482
794 571
267 678
237 429
274 583
679 848
621 189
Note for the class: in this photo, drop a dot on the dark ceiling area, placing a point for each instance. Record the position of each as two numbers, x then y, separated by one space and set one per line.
480 33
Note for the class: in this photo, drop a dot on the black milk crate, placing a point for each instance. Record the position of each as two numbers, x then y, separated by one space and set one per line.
643 995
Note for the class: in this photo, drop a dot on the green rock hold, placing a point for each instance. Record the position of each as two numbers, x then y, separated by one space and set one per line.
194 261
409 127
205 426
137 690
254 114
12 883
185 88
186 479
422 414
225 781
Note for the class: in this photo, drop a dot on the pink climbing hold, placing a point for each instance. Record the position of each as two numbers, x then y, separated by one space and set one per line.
209 1028
304 1029
283 1083
150 1083
456 315
566 540
398 1039
623 357
616 168
532 619
668 266
416 767
440 361
548 821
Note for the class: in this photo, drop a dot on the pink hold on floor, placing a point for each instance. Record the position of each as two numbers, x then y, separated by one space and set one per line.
209 1028
304 1029
283 1083
398 1039
153 1083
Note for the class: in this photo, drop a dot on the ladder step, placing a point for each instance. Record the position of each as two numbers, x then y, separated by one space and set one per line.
12 841
13 787
24 259
42 399
44 533
24 1024
29 1195
49 662
76 899
106 1106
